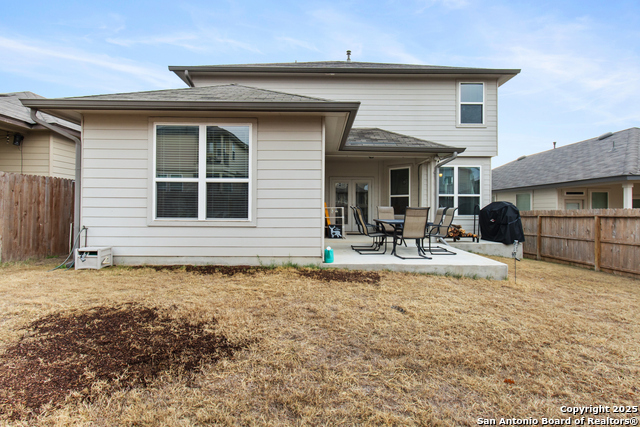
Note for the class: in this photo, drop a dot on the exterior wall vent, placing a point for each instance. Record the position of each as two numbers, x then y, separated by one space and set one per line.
574 193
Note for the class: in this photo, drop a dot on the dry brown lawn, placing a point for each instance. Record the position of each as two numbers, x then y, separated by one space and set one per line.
350 349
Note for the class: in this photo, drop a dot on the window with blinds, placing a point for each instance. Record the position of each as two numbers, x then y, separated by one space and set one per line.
202 171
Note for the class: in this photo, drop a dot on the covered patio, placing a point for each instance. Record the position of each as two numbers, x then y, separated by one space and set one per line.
463 263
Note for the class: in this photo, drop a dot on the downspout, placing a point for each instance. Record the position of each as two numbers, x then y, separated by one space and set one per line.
76 205
435 175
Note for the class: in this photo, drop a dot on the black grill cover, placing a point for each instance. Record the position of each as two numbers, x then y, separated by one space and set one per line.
500 222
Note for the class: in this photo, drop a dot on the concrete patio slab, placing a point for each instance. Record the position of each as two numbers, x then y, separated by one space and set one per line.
463 263
487 248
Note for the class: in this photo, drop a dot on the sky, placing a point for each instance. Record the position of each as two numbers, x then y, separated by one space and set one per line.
580 60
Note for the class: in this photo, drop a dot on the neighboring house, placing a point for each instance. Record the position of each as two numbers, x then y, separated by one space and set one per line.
29 148
598 173
238 167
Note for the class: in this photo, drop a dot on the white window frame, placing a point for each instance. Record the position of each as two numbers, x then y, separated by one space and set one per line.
460 103
456 193
202 180
408 167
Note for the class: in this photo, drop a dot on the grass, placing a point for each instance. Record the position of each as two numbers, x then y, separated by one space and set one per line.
410 349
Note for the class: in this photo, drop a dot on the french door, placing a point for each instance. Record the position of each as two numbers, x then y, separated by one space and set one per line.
347 192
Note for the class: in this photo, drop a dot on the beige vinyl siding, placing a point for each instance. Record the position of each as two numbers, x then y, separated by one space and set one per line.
505 196
63 159
423 107
541 199
35 154
287 196
545 199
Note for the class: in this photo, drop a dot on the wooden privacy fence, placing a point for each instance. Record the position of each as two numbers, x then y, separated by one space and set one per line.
35 216
605 239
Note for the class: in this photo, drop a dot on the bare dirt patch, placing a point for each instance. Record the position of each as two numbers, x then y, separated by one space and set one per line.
345 276
326 275
123 346
225 270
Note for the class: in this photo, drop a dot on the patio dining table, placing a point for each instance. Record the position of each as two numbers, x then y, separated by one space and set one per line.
397 224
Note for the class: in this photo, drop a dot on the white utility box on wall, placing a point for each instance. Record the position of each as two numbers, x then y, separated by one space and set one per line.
93 258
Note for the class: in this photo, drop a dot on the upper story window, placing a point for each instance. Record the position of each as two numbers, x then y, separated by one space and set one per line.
471 103
202 172
459 186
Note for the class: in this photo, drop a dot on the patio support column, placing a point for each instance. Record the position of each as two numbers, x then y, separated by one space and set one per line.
627 195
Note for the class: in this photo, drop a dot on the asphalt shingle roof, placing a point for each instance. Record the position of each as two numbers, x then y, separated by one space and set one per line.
332 64
344 65
375 138
222 93
615 156
10 106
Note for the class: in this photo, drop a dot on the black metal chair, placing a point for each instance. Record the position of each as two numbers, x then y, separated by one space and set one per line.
440 231
415 227
379 237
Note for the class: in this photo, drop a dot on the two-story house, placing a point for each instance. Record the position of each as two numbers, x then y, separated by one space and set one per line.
159 185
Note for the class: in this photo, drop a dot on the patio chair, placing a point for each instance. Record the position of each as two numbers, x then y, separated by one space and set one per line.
439 216
387 212
415 227
379 237
440 231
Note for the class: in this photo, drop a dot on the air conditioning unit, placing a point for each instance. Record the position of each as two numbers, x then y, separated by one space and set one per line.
93 258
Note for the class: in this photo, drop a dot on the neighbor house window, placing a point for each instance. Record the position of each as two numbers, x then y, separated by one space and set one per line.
471 103
399 190
523 201
599 200
459 186
202 171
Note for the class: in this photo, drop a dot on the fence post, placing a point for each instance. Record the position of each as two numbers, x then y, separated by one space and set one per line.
539 239
596 242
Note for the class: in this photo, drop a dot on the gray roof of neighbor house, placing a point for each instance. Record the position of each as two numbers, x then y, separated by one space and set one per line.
609 157
13 112
375 139
339 67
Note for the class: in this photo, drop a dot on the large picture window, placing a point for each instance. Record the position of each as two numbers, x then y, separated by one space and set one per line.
202 171
471 103
399 190
459 186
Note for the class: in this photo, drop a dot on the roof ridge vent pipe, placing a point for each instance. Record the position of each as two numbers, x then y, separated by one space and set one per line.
76 207
605 136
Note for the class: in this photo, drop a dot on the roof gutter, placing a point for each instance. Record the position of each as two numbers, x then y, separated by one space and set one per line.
435 174
340 70
77 198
